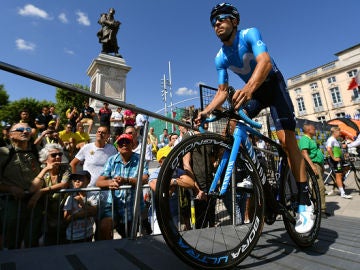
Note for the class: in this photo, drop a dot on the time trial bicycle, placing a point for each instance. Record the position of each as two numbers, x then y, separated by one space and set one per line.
221 237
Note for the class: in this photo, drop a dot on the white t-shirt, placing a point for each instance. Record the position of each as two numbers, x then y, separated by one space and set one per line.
94 159
117 116
79 228
140 120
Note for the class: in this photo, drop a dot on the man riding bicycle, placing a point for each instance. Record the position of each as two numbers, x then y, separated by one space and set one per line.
245 53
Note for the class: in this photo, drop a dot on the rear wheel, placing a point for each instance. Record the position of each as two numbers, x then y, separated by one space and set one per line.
218 238
289 199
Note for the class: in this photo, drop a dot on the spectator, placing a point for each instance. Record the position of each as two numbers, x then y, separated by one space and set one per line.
129 118
53 177
315 158
87 116
164 138
19 167
118 122
5 140
153 140
120 169
55 116
73 116
69 139
140 122
94 155
82 137
104 115
180 179
48 136
25 118
43 119
79 210
335 153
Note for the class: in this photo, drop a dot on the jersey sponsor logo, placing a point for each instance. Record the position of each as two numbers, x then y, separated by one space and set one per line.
246 69
260 43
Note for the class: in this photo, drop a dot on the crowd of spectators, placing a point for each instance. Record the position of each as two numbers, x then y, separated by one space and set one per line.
51 172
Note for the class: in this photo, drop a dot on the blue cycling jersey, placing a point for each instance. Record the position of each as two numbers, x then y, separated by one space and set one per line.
240 57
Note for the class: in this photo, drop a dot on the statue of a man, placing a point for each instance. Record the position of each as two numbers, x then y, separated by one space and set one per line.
107 33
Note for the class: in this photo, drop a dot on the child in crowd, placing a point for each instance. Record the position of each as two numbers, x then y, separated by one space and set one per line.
79 210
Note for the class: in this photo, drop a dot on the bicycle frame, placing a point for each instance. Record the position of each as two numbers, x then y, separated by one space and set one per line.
229 157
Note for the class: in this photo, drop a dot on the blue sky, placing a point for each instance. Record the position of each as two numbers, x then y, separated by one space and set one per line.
58 39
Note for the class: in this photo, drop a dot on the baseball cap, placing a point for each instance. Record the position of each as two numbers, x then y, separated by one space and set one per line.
163 152
82 175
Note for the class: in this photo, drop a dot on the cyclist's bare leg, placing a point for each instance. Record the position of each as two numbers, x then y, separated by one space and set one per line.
296 161
338 179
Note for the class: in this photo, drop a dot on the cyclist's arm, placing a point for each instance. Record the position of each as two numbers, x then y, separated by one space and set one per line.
217 101
355 143
331 153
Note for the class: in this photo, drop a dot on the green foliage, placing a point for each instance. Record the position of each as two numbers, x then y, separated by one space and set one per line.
10 113
4 97
66 99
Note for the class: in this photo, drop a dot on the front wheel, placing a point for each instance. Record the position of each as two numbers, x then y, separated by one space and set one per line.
211 233
289 199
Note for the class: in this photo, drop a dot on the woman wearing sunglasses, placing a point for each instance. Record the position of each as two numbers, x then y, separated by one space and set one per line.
53 177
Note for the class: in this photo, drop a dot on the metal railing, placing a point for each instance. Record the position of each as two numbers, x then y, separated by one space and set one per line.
50 81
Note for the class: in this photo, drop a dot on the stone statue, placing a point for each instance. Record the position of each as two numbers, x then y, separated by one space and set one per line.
107 33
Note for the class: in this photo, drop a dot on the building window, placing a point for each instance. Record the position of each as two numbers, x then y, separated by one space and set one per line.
352 73
335 95
317 100
321 119
313 86
356 93
331 79
301 104
298 91
340 115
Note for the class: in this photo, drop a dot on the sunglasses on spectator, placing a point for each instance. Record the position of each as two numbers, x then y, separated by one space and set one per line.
101 132
21 129
129 132
54 155
124 141
221 18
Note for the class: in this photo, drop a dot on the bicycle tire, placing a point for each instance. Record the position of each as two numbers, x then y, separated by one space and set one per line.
357 177
226 244
302 240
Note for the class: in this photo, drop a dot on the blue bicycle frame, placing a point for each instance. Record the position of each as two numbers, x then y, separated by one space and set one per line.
229 157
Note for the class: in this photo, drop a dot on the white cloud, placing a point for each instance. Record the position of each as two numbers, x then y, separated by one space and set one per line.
184 91
82 18
69 51
30 10
24 45
62 17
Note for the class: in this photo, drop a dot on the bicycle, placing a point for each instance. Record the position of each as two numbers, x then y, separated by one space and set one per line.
350 165
223 240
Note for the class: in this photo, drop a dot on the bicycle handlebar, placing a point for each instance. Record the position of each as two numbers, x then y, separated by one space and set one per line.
231 112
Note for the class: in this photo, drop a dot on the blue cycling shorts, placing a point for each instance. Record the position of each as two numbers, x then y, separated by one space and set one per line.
273 93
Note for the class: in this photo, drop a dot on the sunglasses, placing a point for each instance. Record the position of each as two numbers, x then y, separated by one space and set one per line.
101 132
54 155
221 18
21 129
124 141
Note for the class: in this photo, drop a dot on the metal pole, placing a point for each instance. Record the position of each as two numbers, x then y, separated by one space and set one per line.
170 93
138 194
43 79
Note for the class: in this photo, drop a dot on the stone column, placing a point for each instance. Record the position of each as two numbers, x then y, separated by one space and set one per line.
108 77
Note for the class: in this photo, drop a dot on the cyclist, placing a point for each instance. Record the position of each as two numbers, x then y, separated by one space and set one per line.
245 53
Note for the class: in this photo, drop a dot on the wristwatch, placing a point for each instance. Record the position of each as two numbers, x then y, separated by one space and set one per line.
174 181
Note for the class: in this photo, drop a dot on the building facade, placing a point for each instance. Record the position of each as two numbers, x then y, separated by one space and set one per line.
322 94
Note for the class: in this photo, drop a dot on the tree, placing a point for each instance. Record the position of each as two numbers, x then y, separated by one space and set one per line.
10 113
4 97
66 99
